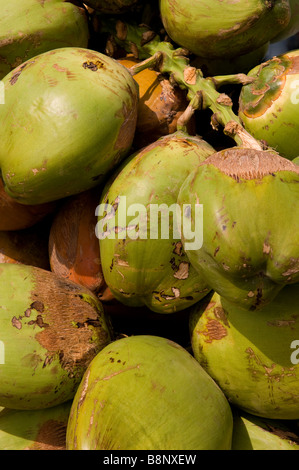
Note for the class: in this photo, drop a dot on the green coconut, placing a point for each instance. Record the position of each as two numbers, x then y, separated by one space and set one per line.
293 26
148 393
142 258
254 433
50 330
34 429
69 118
250 247
31 27
225 29
268 107
253 358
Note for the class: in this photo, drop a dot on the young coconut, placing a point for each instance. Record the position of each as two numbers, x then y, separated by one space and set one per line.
268 107
159 108
293 25
50 147
142 257
226 29
74 251
247 254
258 371
28 246
34 429
254 433
250 248
16 216
50 330
31 27
148 393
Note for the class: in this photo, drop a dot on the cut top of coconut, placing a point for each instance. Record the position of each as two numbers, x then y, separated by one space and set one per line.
244 163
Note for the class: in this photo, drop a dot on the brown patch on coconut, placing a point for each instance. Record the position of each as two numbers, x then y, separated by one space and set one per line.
51 436
72 323
295 65
214 330
243 163
17 72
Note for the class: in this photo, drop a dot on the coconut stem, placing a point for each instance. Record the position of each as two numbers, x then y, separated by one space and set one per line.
151 62
161 55
232 129
184 119
235 79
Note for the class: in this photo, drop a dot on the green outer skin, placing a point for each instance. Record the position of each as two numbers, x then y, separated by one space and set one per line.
147 271
223 29
34 430
268 108
111 6
33 374
250 245
50 147
293 26
254 433
30 27
148 393
296 161
255 372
